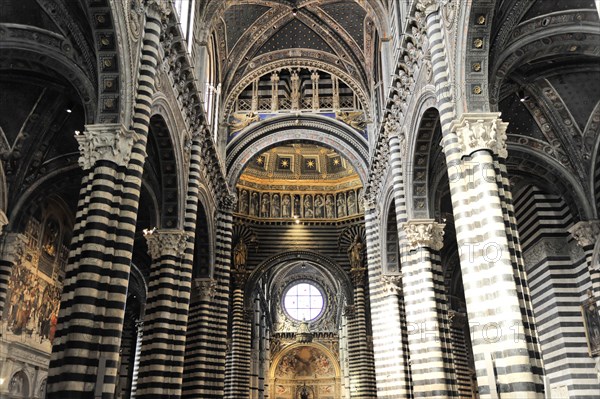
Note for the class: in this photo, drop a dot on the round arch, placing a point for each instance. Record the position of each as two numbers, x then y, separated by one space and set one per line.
316 345
417 182
330 68
315 129
328 266
542 169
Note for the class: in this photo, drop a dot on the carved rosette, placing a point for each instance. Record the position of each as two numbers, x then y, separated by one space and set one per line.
107 142
166 242
481 131
392 284
3 220
586 232
424 233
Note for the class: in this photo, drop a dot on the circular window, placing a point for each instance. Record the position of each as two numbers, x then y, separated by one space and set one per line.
303 301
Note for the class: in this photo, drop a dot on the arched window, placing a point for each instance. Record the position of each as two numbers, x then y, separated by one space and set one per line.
185 11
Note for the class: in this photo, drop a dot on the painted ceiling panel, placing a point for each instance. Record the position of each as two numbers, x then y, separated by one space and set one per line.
295 34
238 18
350 15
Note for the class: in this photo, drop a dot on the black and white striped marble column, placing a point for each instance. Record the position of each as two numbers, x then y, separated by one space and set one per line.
507 363
85 353
360 355
237 368
205 353
390 345
427 312
165 320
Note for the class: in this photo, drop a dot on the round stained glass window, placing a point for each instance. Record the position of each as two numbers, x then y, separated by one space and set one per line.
303 301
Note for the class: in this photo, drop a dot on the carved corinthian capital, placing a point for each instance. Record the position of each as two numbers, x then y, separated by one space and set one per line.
166 242
428 6
392 284
424 233
586 232
481 131
159 9
108 142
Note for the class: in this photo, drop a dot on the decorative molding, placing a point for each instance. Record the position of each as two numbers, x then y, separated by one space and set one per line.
166 241
586 233
544 248
424 233
481 131
106 142
429 6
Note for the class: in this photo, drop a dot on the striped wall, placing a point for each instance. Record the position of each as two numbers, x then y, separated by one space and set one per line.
559 278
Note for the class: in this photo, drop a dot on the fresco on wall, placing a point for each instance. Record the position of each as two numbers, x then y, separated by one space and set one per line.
305 361
34 287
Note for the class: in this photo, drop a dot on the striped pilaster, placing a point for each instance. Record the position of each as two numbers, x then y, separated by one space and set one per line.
207 326
163 345
11 250
426 312
128 341
360 356
85 353
237 368
494 286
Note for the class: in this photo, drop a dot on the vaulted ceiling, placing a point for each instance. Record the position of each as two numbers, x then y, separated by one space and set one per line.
254 33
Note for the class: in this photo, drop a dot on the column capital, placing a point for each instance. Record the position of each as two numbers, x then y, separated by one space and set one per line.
227 202
424 233
349 311
392 284
481 131
586 232
429 6
158 8
206 288
3 220
369 201
165 241
107 142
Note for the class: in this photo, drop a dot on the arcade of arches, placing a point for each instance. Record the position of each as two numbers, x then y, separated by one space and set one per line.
299 199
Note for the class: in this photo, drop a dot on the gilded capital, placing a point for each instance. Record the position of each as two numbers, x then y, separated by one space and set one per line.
165 242
106 142
586 232
424 233
481 131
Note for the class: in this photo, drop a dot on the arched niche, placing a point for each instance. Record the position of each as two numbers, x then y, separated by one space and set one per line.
309 367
